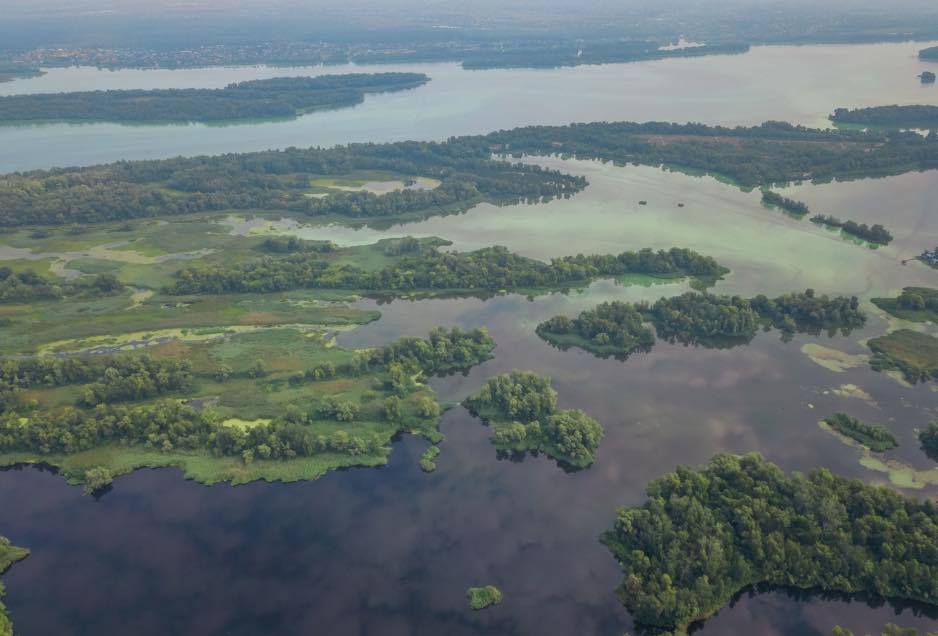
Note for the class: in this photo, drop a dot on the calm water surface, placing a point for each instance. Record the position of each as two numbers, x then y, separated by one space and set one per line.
797 84
391 550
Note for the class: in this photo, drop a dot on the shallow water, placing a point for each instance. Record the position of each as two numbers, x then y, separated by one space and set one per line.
797 84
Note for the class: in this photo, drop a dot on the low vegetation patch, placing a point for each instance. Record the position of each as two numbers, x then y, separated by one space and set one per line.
481 597
872 436
913 354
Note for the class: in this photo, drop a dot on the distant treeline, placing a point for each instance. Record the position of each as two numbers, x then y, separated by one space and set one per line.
255 99
280 180
916 116
700 319
492 268
931 53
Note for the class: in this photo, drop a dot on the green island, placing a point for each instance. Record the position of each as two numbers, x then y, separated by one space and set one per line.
279 404
927 77
617 328
706 534
914 116
281 97
793 207
875 233
469 170
427 460
928 437
481 597
521 408
9 554
916 304
911 353
872 436
416 265
890 629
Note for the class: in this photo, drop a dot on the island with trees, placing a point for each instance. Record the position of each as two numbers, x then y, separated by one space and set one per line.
916 304
9 554
706 534
521 408
617 328
927 77
469 170
28 286
272 404
875 437
875 233
281 97
929 440
424 267
793 207
912 116
10 71
481 597
911 353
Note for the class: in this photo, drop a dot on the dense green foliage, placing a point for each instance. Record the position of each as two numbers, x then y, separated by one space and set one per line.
875 233
255 99
9 554
612 327
291 244
929 439
277 180
482 597
28 286
700 319
521 406
912 353
704 535
107 379
775 152
873 436
889 116
492 268
889 630
168 425
789 205
918 304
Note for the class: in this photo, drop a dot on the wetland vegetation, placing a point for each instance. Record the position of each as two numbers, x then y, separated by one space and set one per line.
774 199
700 319
481 597
929 440
875 233
911 353
281 97
917 304
875 437
705 534
9 554
279 404
913 116
521 408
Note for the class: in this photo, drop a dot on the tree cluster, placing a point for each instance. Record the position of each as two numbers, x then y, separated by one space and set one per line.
522 408
492 268
789 205
914 116
875 233
874 436
704 535
929 439
28 286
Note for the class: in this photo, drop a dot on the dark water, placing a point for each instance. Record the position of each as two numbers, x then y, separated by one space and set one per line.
391 551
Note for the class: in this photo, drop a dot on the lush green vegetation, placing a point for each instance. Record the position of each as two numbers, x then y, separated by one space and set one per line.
700 319
522 409
918 304
873 436
281 180
427 463
917 116
492 268
791 206
9 554
28 286
481 597
282 97
875 233
912 353
269 397
705 534
929 439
